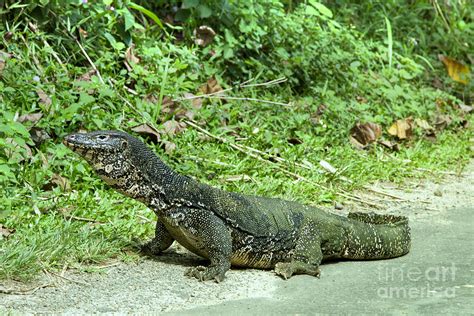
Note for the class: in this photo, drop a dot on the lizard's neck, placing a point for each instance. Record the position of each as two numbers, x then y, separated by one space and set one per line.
140 174
152 182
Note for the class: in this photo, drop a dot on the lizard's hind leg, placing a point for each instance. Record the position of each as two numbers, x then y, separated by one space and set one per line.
307 256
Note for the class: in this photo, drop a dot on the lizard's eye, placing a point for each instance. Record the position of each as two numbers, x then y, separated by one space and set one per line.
102 137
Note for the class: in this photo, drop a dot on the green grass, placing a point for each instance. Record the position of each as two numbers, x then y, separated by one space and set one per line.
84 223
49 238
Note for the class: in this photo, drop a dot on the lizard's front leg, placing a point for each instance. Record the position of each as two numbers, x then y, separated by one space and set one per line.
160 242
205 234
307 256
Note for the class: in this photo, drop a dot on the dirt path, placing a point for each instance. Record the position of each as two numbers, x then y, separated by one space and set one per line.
160 286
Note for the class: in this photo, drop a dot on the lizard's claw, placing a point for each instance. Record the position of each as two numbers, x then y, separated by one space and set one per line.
284 269
206 273
150 248
287 269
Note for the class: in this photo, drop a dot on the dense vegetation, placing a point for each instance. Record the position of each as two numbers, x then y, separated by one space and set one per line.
379 91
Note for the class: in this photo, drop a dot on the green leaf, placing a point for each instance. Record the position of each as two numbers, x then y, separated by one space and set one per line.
321 8
204 11
390 41
147 12
116 45
187 4
182 15
129 19
5 169
311 11
110 38
85 98
20 129
228 52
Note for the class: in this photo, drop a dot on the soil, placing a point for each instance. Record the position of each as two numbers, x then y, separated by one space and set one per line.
158 285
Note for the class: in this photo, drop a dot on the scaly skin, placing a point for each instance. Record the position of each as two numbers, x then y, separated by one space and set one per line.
233 229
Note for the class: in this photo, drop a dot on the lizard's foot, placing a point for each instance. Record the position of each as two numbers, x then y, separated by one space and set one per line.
287 269
150 248
206 273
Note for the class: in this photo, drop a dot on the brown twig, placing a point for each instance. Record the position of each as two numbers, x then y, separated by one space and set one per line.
438 171
258 157
277 166
90 61
245 99
26 291
218 94
268 83
108 265
83 219
68 279
144 218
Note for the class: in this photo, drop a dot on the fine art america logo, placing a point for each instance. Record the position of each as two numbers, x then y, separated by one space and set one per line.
416 282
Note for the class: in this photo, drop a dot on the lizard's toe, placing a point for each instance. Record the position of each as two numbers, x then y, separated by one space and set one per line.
284 269
149 248
287 269
205 273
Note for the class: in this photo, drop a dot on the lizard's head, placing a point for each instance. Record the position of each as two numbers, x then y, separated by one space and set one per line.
108 152
95 147
120 159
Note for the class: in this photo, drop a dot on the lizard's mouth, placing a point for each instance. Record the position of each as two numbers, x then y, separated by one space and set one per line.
71 141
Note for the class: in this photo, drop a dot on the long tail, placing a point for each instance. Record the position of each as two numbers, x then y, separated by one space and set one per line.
374 236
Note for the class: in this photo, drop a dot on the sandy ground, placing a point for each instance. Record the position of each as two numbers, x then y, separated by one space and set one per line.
441 216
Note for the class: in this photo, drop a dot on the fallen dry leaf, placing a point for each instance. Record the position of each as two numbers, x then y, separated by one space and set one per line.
152 98
465 108
30 117
402 129
169 146
196 104
39 135
87 76
211 86
389 144
14 155
203 35
423 124
3 58
130 56
294 141
315 118
456 70
5 232
361 99
83 32
8 36
173 127
442 121
147 130
366 133
57 181
172 108
437 83
44 98
354 142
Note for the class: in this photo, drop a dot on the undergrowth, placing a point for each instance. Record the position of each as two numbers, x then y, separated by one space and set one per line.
56 212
